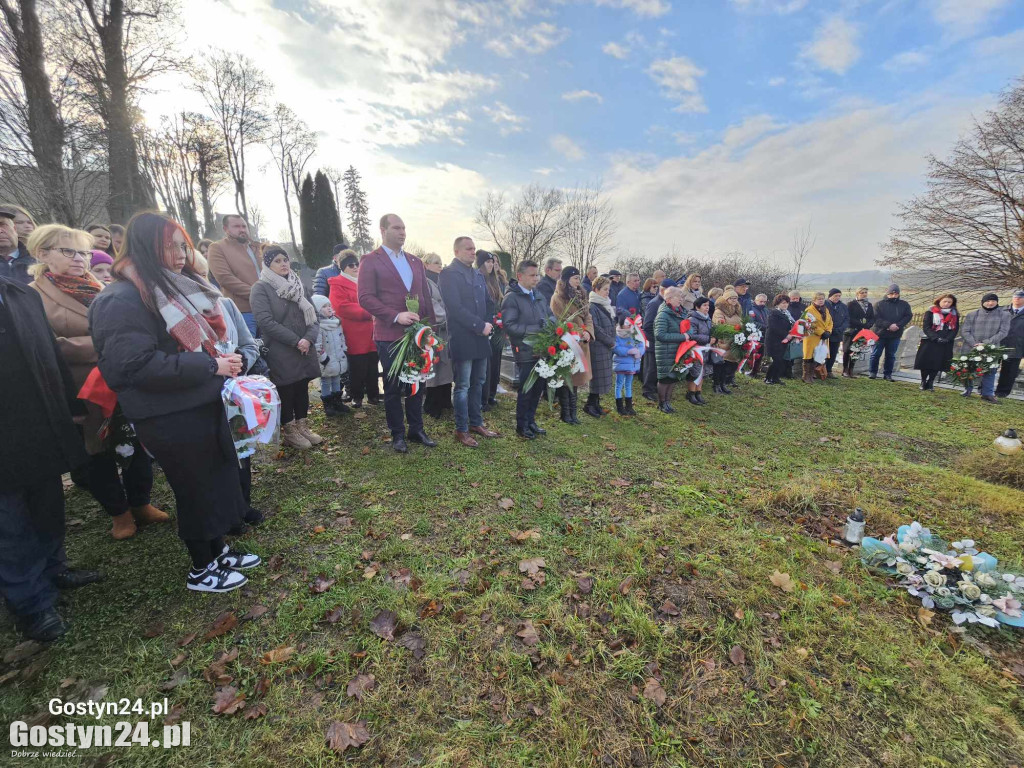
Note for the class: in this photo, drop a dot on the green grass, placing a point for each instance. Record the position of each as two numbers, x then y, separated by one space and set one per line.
714 500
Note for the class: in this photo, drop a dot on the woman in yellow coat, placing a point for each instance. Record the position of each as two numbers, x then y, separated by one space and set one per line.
819 329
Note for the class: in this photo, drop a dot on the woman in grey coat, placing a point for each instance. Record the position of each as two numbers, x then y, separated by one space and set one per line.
985 326
289 326
602 348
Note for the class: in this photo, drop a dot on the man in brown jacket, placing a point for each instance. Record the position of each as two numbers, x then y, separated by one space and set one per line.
235 262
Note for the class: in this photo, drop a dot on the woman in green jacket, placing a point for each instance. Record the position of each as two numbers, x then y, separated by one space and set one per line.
667 339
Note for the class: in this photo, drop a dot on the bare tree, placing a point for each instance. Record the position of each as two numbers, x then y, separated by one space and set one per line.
292 144
256 220
967 229
803 244
589 226
236 91
336 176
530 227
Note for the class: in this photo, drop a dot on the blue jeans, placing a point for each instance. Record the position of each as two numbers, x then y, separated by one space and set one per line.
31 555
988 384
623 385
890 347
330 385
470 380
250 323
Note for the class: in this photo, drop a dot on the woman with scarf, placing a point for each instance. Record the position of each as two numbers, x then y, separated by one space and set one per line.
156 329
986 326
667 338
289 326
862 316
68 289
569 304
692 291
727 311
357 324
601 350
777 340
818 330
439 388
940 325
497 283
700 331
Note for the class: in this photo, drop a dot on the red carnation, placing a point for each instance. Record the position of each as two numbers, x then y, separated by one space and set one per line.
563 345
498 315
736 327
559 330
551 351
569 326
632 310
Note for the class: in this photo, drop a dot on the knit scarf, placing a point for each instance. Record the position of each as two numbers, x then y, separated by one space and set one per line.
604 302
290 289
943 318
193 315
82 289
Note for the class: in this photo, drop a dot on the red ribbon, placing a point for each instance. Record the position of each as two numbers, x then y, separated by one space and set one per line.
95 390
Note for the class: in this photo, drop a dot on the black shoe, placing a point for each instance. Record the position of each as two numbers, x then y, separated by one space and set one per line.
691 399
399 444
73 579
619 407
966 394
421 438
239 529
214 578
629 407
666 407
564 405
486 407
770 381
990 399
339 406
724 390
699 398
889 378
237 561
573 401
43 626
652 398
492 402
1002 394
535 428
526 434
873 376
357 403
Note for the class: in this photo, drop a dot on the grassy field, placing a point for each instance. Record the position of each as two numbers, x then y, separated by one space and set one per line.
600 597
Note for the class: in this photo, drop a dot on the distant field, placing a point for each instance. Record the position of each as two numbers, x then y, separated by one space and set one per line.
920 298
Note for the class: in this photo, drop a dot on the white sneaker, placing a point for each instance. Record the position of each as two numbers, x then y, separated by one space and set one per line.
237 561
213 578
501 390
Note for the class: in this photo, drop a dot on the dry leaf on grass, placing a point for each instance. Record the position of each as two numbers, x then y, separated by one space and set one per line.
654 692
275 562
341 736
257 710
255 612
506 503
528 634
626 585
383 625
532 565
321 584
361 684
280 654
22 651
924 616
782 581
530 534
669 608
414 642
228 700
222 625
187 639
179 677
618 482
738 656
836 566
586 584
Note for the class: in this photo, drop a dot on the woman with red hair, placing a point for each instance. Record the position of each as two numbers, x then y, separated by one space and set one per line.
156 330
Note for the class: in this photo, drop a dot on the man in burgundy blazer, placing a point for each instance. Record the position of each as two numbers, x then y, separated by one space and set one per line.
386 277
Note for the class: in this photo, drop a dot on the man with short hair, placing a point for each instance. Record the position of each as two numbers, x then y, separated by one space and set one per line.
650 364
658 276
320 286
589 278
613 293
840 323
14 257
236 262
742 286
1014 341
547 284
525 311
465 300
628 299
389 281
891 316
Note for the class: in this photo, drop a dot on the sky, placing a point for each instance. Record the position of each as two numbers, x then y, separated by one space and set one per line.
713 126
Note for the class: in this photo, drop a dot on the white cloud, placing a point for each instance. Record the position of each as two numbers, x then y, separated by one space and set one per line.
507 120
752 128
566 147
616 50
537 39
964 18
678 78
775 82
543 171
907 60
1010 45
834 46
581 95
781 7
644 8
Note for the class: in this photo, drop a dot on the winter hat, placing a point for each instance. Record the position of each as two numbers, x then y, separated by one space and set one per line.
893 289
339 248
319 302
273 252
1018 294
615 273
347 262
100 257
741 281
568 273
668 283
483 256
833 291
989 297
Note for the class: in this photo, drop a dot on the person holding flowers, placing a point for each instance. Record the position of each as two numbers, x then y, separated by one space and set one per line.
289 326
985 326
392 286
819 329
700 332
497 283
602 349
570 304
156 330
778 339
68 288
728 311
940 326
667 338
862 318
525 311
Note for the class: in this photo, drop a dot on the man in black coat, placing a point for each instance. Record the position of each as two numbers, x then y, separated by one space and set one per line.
891 316
797 307
650 365
40 443
525 311
14 257
840 323
1015 343
547 284
465 300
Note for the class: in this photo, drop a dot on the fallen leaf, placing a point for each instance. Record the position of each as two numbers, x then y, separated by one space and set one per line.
221 625
654 692
370 571
618 482
361 684
839 602
430 610
738 656
341 736
530 534
405 536
335 615
558 678
319 529
257 710
538 503
279 654
255 612
738 614
383 625
217 671
154 630
782 581
609 446
321 584
669 608
178 659
179 676
586 584
174 716
228 700
625 585
275 562
506 503
414 642
836 566
528 634
925 616
22 651
531 566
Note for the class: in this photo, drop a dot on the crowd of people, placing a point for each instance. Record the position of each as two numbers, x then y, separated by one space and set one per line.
116 342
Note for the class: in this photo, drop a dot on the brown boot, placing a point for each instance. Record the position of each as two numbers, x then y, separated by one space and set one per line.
808 372
306 432
124 526
149 514
290 435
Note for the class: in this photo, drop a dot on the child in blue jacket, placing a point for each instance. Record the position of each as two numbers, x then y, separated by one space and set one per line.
629 348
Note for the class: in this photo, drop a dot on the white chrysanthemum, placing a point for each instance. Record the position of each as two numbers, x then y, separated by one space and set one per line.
125 450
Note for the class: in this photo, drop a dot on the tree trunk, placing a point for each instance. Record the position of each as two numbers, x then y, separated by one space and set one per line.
205 201
46 132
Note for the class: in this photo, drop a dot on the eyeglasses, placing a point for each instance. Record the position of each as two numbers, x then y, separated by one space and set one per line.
70 253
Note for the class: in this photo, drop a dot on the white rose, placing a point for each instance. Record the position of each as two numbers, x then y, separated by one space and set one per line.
943 592
985 580
125 450
905 568
970 591
934 579
986 610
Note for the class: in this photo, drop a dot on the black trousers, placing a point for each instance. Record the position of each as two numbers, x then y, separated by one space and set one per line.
294 400
527 401
777 368
490 392
834 343
119 493
1008 375
31 545
203 551
394 393
362 373
649 371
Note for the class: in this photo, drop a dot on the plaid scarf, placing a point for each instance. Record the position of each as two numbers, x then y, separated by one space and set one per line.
82 289
290 289
192 315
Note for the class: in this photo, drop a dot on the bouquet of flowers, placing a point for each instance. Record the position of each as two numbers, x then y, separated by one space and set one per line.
862 343
950 577
750 349
981 359
496 321
253 408
414 355
732 338
558 346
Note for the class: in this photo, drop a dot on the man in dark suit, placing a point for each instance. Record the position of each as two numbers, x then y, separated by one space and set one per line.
525 312
465 299
391 284
14 256
1015 343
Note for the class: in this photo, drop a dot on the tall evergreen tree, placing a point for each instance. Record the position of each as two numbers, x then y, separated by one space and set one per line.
358 212
307 217
328 227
